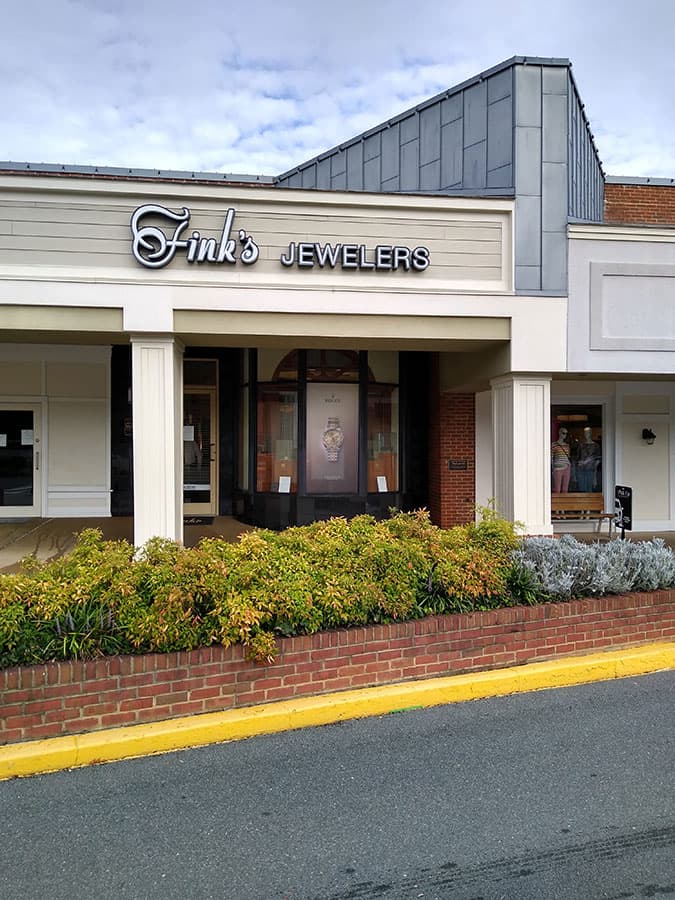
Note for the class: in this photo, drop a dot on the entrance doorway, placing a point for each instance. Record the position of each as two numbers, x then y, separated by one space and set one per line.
20 460
200 451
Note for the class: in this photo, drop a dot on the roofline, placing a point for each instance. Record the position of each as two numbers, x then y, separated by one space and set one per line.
634 179
448 92
587 123
118 172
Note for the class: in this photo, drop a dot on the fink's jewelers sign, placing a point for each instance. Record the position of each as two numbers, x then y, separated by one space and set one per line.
155 243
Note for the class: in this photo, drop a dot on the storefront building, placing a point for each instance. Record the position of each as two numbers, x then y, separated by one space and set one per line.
280 386
397 323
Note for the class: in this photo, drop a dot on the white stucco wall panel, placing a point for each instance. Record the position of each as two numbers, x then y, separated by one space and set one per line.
77 443
539 334
621 300
20 379
647 470
78 380
646 404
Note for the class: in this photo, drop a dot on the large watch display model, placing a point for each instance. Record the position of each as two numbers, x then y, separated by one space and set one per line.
332 439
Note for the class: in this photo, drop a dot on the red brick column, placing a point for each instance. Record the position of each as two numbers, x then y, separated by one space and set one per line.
452 443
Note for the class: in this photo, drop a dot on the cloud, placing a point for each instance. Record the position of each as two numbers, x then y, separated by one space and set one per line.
259 89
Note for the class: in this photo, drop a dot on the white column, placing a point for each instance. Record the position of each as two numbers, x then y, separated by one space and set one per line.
157 391
521 411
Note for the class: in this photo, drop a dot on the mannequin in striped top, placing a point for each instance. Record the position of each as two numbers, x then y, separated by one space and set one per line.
560 463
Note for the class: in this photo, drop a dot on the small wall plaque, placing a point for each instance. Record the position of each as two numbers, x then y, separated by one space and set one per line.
458 465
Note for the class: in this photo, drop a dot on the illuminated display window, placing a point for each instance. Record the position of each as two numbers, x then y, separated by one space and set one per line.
576 449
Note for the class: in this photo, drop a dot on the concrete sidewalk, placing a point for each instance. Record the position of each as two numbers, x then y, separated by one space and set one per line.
53 754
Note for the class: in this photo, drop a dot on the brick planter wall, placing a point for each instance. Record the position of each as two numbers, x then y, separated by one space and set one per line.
71 697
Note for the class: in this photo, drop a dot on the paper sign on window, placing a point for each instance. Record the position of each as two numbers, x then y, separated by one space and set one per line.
26 437
382 484
284 484
3 440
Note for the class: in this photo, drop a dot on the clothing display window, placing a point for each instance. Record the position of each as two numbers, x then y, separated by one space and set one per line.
576 449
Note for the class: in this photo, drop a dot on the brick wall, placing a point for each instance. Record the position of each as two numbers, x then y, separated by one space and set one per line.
452 492
67 698
639 204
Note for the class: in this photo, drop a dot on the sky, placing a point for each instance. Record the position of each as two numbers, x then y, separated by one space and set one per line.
257 87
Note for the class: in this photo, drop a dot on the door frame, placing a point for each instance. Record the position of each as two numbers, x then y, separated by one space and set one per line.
39 459
206 509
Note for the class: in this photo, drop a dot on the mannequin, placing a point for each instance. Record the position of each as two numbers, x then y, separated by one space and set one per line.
560 463
588 462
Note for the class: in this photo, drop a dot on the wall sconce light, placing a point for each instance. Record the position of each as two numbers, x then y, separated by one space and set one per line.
648 435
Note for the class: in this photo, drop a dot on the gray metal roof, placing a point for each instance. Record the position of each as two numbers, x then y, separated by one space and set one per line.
120 172
476 79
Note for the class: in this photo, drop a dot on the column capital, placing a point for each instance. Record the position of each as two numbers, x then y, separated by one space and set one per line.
529 378
157 338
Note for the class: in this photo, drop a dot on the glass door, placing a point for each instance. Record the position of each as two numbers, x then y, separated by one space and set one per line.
200 452
19 460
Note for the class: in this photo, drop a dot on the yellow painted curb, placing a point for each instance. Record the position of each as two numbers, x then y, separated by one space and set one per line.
52 754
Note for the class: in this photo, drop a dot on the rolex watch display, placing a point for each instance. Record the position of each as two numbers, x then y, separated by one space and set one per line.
332 439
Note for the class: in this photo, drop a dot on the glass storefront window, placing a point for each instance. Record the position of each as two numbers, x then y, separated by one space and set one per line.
197 372
333 365
243 456
277 441
331 385
576 449
244 425
16 457
382 438
199 446
277 365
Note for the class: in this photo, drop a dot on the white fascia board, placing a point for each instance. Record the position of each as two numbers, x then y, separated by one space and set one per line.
16 187
602 232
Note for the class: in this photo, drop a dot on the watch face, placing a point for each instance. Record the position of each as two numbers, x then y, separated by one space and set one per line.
332 440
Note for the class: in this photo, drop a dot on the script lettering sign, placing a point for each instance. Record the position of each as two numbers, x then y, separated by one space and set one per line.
159 233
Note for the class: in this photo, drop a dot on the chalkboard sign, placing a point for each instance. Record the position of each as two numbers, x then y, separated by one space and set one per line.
623 502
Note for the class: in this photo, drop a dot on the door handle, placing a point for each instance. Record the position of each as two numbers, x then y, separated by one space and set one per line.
37 460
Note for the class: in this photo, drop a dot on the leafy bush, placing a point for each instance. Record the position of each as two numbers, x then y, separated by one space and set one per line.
107 598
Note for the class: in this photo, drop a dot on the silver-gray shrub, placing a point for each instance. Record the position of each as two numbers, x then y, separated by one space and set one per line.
565 567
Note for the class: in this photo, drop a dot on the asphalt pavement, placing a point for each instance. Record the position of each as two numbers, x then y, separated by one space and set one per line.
566 793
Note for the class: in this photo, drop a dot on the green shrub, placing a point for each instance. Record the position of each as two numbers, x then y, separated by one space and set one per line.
106 598
67 608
